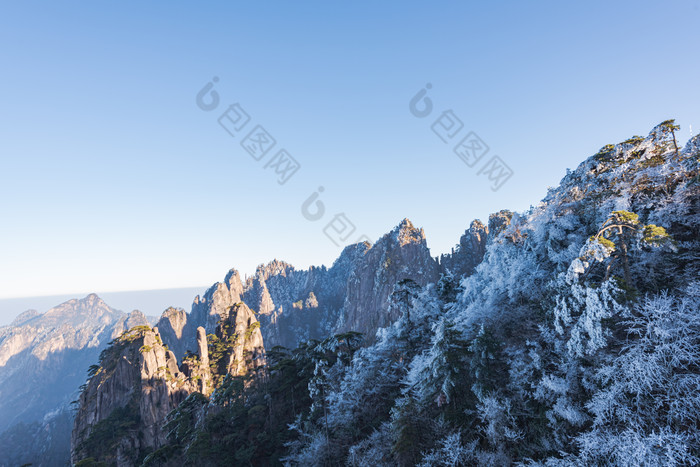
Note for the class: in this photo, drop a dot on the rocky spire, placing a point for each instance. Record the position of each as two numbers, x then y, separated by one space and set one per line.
176 330
136 384
401 254
499 221
208 310
248 351
202 349
469 253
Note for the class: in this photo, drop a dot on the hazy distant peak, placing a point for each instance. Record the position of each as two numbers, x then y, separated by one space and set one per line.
24 317
91 305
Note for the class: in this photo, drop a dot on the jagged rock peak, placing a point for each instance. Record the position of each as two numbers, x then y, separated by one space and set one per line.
273 268
126 322
90 304
406 233
137 315
136 384
352 253
499 221
477 226
207 310
175 328
400 254
469 253
234 282
202 349
171 311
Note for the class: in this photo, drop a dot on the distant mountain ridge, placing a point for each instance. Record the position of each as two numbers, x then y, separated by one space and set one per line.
43 360
150 302
297 305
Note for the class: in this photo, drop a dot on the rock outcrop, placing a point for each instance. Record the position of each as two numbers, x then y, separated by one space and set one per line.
298 305
217 301
134 387
196 367
175 329
499 221
138 383
469 252
401 254
247 352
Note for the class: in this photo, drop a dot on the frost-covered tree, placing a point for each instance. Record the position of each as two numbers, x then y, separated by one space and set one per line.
648 409
620 233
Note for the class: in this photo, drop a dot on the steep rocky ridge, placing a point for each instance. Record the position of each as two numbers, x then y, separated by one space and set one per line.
139 381
246 352
469 252
136 384
297 305
401 254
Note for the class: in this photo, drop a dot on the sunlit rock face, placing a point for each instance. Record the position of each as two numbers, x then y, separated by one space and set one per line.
216 301
175 328
247 352
138 382
133 388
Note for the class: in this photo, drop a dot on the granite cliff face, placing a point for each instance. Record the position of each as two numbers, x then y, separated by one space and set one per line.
298 305
469 252
176 330
246 351
43 358
401 254
294 306
216 302
136 384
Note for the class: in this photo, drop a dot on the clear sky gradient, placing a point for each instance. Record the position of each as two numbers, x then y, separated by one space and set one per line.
111 177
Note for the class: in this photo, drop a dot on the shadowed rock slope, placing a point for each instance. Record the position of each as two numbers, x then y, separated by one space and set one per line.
43 358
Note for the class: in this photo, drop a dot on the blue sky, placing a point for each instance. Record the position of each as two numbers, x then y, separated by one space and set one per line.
111 177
